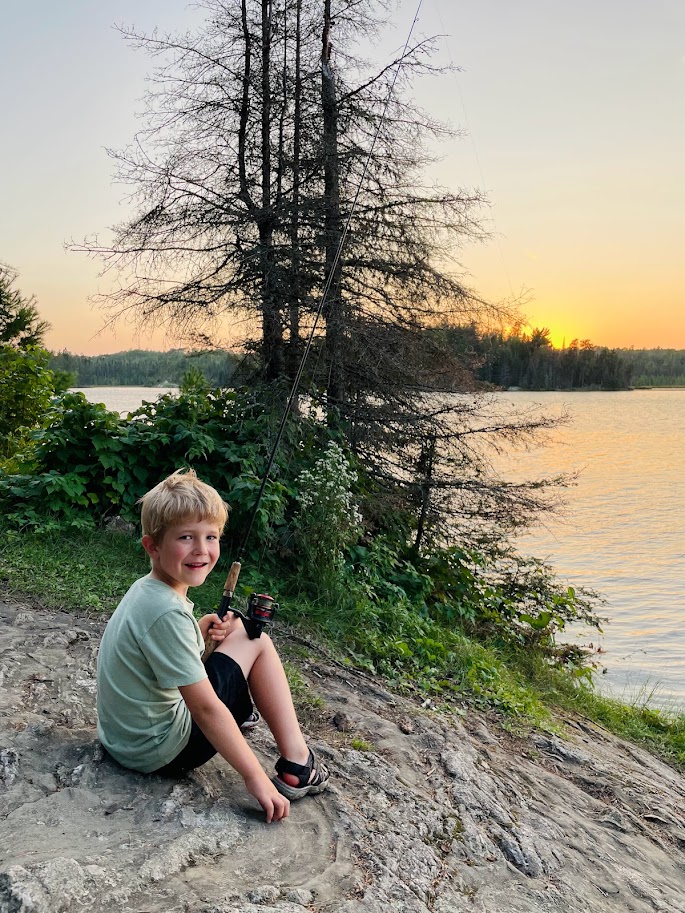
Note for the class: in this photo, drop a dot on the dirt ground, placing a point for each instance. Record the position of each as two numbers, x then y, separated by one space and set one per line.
440 814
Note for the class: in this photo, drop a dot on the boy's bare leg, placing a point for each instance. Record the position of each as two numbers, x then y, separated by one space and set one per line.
263 669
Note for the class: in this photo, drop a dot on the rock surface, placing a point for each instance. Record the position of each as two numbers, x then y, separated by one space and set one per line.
443 815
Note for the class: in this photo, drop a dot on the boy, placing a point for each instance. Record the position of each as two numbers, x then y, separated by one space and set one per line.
160 710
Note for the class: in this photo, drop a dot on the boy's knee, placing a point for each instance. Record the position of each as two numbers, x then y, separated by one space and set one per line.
240 636
261 642
243 649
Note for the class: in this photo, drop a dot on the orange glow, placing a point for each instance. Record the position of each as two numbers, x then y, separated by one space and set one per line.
581 167
559 338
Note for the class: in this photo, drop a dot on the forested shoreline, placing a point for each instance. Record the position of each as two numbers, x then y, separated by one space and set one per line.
656 367
145 368
526 361
529 361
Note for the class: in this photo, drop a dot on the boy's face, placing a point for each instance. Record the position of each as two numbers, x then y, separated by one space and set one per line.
185 555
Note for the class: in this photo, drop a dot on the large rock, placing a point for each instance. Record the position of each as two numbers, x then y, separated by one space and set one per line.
442 815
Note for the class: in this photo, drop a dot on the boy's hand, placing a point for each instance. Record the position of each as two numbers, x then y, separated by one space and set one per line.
274 804
219 726
215 627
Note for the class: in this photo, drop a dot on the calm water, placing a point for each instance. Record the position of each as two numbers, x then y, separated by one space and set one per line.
623 533
123 399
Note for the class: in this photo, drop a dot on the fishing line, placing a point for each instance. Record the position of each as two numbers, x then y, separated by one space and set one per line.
325 294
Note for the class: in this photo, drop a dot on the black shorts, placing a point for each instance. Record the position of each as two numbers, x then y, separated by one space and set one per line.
228 681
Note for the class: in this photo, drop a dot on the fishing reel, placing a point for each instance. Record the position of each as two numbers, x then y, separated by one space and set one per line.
261 609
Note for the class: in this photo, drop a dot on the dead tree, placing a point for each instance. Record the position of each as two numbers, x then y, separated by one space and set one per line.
256 152
333 312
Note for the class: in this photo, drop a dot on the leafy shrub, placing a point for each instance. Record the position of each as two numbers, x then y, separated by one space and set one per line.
497 596
64 470
327 519
394 610
520 600
87 463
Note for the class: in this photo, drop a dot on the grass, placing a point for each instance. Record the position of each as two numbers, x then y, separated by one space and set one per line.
416 655
361 745
79 570
301 689
92 569
660 732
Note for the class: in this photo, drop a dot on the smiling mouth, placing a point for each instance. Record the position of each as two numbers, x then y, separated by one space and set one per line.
196 566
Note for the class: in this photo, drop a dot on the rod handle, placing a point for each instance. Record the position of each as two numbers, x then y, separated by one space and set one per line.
230 585
224 605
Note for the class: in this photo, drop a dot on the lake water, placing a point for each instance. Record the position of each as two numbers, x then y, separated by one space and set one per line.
623 533
123 399
624 530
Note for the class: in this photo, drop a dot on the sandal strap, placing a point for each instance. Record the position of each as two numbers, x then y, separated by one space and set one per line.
303 772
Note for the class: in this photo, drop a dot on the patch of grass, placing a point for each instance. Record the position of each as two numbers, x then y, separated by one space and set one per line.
301 690
660 732
656 730
361 745
74 570
418 655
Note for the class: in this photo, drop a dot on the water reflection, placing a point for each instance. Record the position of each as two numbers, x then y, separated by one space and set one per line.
624 531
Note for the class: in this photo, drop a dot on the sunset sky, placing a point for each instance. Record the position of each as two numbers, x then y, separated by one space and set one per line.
575 123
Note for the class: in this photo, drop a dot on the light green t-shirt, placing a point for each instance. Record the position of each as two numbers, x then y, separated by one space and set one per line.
151 646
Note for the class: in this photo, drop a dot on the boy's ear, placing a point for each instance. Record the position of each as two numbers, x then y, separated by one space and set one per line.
149 545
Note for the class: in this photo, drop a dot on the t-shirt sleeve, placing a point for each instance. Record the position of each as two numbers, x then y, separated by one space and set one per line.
171 648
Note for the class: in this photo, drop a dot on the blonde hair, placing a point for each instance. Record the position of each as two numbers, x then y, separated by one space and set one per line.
179 498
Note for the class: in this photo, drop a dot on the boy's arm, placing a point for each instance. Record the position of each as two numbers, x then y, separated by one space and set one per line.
217 723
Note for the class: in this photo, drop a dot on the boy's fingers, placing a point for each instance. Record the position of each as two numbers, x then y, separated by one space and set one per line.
275 808
281 808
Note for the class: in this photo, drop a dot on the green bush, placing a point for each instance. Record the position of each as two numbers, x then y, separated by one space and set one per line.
400 612
87 463
327 520
27 387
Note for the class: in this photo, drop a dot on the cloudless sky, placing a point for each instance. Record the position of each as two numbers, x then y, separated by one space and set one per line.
575 131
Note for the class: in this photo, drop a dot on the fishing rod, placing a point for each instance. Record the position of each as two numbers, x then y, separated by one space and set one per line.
261 607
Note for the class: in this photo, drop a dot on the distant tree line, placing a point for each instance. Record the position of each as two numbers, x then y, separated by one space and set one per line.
656 367
530 362
142 368
523 360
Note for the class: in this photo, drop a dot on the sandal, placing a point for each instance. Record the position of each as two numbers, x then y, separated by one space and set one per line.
252 721
312 777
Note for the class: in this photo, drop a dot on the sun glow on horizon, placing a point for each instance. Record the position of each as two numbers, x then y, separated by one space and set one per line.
559 337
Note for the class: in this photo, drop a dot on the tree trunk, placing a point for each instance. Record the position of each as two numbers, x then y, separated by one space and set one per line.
272 329
333 310
294 292
425 468
244 191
